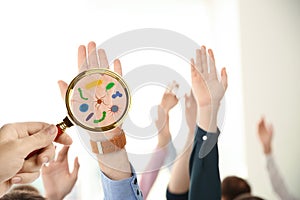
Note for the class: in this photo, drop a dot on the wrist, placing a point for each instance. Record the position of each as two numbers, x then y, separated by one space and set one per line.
191 132
115 165
164 137
207 117
267 150
164 108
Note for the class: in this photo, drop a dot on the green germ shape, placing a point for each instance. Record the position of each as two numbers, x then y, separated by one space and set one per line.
110 85
101 119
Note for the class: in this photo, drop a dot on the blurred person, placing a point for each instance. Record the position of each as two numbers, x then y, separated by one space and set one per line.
23 192
265 134
22 195
208 91
233 186
164 145
179 182
25 188
204 158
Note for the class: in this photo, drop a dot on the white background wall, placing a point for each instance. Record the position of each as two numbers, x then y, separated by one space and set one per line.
270 49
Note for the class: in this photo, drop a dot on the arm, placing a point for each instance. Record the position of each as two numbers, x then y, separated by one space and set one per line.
265 134
117 174
168 101
208 91
57 179
180 179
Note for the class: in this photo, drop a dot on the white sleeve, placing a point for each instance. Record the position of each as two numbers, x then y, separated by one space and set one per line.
277 181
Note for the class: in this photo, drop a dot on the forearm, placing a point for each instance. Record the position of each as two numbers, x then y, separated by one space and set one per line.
180 179
276 179
149 176
204 172
158 157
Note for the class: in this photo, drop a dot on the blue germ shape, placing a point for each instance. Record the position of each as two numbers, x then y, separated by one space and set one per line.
118 94
84 107
114 108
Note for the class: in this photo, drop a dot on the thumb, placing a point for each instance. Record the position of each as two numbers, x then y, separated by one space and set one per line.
74 174
63 88
224 78
38 140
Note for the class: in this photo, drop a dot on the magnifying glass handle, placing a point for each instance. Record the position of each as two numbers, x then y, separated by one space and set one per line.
61 127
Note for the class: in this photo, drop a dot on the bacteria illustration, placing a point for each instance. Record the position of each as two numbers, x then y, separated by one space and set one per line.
81 95
109 86
84 107
101 119
93 84
89 116
117 94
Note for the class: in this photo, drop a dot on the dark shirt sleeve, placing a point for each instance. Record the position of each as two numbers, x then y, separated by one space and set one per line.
205 183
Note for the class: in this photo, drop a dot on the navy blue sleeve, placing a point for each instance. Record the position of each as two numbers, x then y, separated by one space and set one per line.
205 183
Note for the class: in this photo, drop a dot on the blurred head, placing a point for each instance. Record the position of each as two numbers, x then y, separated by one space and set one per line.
247 196
233 186
23 192
19 195
25 188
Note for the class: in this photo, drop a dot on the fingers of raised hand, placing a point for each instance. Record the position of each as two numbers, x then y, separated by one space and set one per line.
92 56
118 67
224 79
103 59
203 60
205 64
172 88
63 154
82 61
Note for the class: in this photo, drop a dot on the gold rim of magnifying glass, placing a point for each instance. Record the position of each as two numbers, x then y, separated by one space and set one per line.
83 74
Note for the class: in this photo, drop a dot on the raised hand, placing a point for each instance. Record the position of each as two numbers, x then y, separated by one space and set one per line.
207 89
265 134
169 100
115 165
89 61
57 179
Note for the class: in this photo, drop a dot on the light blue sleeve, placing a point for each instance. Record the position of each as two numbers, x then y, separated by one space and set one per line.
127 189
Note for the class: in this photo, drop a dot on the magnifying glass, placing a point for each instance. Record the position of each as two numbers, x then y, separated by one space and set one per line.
97 100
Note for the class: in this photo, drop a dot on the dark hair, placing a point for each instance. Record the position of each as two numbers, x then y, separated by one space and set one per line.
251 198
247 196
233 186
25 188
21 195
